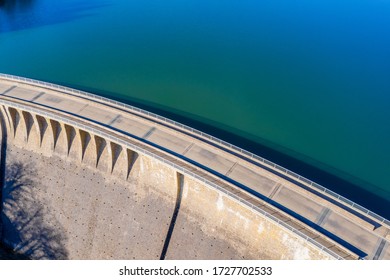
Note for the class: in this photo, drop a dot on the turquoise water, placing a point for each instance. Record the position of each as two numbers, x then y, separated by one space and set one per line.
304 83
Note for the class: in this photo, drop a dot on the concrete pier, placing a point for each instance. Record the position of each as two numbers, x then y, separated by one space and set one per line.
107 175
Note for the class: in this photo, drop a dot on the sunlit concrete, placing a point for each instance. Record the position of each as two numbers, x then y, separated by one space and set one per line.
40 132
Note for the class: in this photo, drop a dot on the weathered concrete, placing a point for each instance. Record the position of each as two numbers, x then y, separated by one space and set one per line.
218 229
122 145
58 208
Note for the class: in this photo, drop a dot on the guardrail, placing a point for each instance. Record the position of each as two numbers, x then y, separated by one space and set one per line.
275 166
118 140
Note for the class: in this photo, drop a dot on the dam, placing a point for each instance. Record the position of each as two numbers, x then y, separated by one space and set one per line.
85 177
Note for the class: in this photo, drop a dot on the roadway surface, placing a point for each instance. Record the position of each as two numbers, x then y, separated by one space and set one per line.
363 235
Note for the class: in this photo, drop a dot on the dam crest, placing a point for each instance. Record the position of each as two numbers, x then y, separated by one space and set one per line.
85 177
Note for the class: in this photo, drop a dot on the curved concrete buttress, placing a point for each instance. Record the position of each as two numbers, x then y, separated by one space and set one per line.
120 161
40 126
18 126
60 143
32 131
103 162
46 135
131 159
89 153
4 114
75 149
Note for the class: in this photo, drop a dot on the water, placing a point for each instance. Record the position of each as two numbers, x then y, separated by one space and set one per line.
303 83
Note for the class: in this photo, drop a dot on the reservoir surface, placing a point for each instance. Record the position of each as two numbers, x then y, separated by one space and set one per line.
303 83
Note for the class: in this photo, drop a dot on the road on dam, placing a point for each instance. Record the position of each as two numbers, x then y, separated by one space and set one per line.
336 224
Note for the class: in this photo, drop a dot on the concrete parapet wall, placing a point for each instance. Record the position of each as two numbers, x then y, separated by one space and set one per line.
71 194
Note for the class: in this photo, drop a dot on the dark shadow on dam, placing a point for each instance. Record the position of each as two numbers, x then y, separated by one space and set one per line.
30 231
179 197
352 191
9 254
5 253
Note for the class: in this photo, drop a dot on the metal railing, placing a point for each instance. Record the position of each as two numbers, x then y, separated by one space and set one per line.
120 140
250 155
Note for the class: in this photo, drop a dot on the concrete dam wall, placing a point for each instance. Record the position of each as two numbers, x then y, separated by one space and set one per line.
86 178
57 206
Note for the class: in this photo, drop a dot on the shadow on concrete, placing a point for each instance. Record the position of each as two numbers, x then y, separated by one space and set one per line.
29 228
9 254
3 150
5 253
180 183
